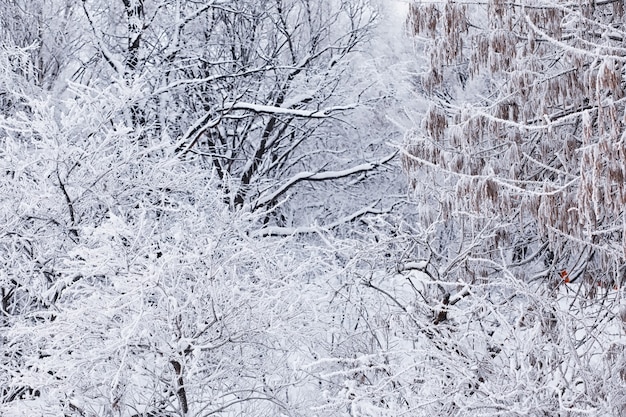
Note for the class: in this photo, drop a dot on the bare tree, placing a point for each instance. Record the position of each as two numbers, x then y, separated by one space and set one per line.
260 92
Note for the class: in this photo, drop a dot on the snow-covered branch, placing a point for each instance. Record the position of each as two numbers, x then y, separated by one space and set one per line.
274 110
320 176
290 231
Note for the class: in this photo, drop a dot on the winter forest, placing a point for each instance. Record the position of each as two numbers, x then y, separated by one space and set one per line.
312 208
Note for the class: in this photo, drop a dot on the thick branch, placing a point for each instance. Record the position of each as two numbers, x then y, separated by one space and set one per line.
180 392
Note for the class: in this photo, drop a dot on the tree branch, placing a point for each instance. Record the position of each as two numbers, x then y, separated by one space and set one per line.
260 108
289 231
321 176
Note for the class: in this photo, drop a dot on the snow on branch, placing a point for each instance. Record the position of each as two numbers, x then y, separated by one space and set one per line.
413 265
194 132
322 176
206 80
513 185
569 48
290 231
260 108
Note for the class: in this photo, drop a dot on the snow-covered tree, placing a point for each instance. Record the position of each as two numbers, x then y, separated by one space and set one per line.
525 128
129 287
518 162
262 91
132 281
